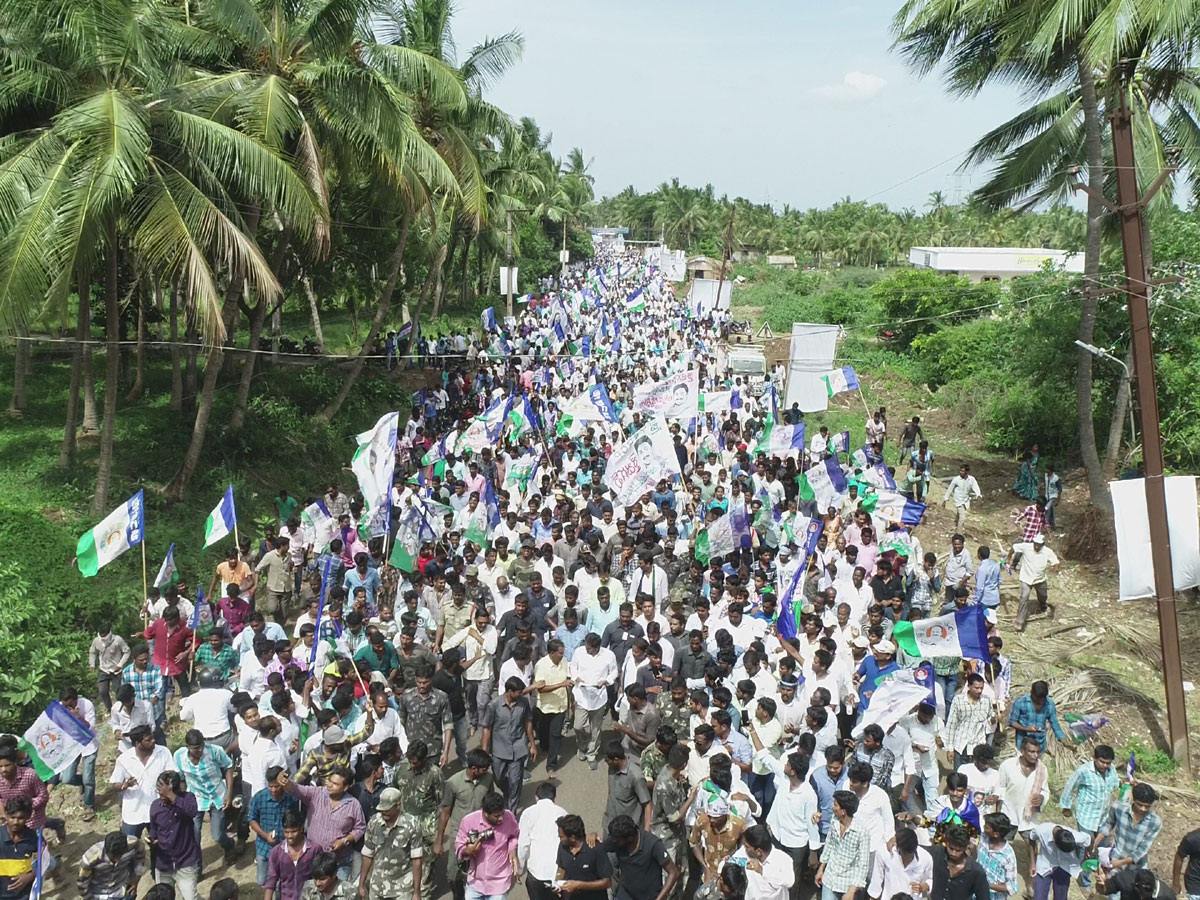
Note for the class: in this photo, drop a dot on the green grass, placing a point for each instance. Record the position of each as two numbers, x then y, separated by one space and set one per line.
44 509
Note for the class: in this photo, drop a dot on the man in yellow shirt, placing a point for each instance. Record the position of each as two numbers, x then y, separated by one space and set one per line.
551 678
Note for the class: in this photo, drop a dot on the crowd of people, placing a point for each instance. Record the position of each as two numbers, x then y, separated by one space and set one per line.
389 716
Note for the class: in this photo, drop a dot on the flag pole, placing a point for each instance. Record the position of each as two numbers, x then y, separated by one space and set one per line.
145 588
864 401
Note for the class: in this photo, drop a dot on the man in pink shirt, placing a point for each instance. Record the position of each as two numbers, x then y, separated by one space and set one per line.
487 845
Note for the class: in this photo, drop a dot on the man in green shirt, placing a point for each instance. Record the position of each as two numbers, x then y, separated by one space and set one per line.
379 655
285 506
215 654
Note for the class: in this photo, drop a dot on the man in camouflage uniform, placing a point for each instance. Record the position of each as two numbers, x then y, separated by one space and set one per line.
425 714
671 799
674 710
393 852
420 785
654 757
463 793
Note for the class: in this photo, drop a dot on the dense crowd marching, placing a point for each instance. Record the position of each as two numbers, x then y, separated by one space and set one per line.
372 720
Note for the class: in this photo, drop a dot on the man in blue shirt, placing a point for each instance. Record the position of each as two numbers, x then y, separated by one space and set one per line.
1032 713
873 669
987 580
362 575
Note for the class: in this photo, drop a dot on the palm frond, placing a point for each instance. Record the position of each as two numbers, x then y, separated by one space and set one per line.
491 59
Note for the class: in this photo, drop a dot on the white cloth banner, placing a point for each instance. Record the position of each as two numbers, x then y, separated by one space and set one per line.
638 464
676 397
717 401
1133 535
813 349
893 699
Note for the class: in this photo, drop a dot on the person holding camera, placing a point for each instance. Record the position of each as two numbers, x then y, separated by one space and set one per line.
486 845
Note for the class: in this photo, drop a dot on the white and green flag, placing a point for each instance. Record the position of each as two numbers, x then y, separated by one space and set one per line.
373 465
715 541
123 528
167 572
56 740
222 521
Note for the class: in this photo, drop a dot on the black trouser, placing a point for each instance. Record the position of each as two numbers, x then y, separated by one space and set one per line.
540 890
549 728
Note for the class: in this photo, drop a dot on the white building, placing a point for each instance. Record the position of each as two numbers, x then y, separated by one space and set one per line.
992 263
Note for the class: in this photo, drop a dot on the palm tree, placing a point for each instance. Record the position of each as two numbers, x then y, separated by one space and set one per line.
112 166
1075 58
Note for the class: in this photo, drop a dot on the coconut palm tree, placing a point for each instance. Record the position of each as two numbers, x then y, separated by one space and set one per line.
111 168
1075 58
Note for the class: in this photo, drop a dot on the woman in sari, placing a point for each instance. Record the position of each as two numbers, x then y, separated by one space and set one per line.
1026 485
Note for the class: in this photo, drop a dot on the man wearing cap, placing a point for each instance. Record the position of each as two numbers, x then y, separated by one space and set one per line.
392 853
1036 559
522 568
716 834
873 669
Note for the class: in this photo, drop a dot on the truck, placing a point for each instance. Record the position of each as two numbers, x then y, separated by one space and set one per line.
749 363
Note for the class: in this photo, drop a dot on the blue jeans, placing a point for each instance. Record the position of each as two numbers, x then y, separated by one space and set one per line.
260 863
949 685
472 894
85 779
216 826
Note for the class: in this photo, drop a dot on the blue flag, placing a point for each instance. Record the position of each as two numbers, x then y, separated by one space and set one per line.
488 319
326 571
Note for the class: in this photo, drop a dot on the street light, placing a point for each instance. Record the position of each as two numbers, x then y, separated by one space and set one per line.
1104 354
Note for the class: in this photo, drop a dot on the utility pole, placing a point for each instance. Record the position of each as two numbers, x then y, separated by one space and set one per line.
508 257
1131 207
726 250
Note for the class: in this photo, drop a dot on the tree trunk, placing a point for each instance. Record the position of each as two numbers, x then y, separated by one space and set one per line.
18 401
466 258
431 281
315 312
112 371
1121 404
276 331
381 311
176 369
135 390
91 422
257 320
191 374
443 276
212 371
66 453
1090 103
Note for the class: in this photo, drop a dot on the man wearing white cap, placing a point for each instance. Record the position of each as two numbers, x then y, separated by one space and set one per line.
873 669
1036 559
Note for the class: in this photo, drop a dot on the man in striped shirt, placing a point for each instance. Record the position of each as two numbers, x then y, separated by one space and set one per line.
1088 794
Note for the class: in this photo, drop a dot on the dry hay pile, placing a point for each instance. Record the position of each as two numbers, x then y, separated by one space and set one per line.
1091 538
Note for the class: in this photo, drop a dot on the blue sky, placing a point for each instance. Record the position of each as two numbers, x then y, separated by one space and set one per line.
791 101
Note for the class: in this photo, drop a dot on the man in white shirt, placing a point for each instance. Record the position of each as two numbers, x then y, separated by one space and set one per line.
874 808
211 708
136 774
537 848
1036 561
961 489
791 816
897 870
777 874
478 648
649 579
925 731
593 674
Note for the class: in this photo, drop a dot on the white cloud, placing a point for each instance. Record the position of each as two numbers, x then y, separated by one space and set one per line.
855 87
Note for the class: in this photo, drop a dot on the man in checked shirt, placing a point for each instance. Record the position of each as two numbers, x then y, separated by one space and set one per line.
1088 793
